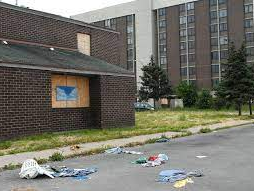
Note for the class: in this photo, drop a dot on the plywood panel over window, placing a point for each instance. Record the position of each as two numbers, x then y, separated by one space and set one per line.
70 91
84 43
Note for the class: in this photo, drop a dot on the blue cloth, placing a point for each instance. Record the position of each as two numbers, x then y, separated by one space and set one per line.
116 150
68 172
163 140
172 176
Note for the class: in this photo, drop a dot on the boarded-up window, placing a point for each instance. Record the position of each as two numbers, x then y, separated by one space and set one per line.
84 45
70 91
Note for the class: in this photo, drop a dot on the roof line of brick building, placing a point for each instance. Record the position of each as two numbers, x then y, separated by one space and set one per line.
53 16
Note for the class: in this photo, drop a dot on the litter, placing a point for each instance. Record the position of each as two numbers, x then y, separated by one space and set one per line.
152 161
118 150
173 176
30 170
201 157
75 147
182 183
163 140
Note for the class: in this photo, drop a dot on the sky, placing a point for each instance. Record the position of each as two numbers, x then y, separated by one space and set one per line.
66 7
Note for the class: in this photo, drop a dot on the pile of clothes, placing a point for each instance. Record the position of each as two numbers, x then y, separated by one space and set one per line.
30 170
179 177
152 161
118 150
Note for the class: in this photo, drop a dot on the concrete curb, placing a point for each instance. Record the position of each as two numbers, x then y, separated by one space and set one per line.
16 159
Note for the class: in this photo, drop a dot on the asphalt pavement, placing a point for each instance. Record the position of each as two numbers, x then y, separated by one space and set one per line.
229 166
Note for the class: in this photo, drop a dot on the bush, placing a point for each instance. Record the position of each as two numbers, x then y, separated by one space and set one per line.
220 103
56 157
204 99
188 93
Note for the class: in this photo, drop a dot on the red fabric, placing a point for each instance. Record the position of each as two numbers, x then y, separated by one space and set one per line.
153 158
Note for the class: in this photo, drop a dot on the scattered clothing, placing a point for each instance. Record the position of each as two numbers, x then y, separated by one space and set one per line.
173 176
152 161
141 160
30 170
163 140
118 150
182 183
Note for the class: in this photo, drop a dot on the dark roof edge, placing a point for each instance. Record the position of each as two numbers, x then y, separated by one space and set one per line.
53 16
23 66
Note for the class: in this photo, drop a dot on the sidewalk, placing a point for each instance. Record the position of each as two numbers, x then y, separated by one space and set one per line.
66 151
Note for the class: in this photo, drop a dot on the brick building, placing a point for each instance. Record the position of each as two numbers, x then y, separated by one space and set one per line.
188 37
59 74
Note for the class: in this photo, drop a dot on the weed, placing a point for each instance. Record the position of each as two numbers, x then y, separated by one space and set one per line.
56 157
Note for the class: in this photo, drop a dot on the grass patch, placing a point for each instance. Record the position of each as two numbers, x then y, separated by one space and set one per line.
205 130
11 166
148 122
56 157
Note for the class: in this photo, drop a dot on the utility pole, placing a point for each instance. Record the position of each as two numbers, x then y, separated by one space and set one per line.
16 3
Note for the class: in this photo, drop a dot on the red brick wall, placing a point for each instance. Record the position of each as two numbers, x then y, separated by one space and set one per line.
25 99
23 26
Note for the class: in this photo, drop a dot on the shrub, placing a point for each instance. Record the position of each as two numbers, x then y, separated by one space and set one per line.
56 157
204 99
188 93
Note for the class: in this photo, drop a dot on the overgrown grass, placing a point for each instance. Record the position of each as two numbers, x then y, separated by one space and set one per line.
146 123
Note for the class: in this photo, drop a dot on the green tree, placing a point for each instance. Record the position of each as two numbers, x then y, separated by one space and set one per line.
205 99
155 83
236 82
188 93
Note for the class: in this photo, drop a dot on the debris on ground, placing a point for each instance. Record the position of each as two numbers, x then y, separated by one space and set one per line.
30 170
163 140
152 161
201 157
75 147
118 150
179 177
182 183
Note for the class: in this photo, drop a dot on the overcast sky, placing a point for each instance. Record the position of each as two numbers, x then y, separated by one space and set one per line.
66 7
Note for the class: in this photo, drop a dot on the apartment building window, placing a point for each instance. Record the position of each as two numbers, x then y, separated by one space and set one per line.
214 41
250 51
223 40
215 82
215 69
163 60
192 57
215 55
192 71
214 28
183 33
190 6
248 8
183 59
224 54
191 31
223 27
163 38
107 23
182 8
213 14
191 19
183 72
222 1
183 20
249 37
223 13
183 46
213 2
248 23
162 24
191 44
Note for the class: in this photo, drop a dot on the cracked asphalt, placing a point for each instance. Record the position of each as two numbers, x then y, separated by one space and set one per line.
229 166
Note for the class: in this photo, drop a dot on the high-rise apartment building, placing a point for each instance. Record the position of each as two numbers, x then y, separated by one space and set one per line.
189 38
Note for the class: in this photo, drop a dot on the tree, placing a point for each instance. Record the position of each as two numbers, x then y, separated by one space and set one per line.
236 81
155 83
251 88
188 93
204 100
